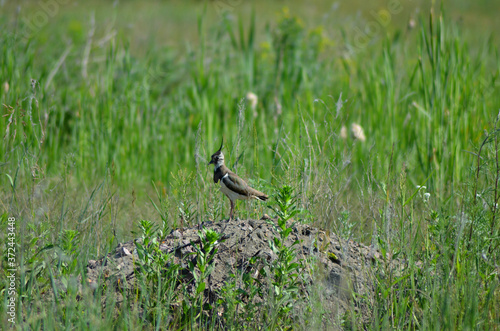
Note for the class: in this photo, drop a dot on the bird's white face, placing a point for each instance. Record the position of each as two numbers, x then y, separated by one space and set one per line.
217 159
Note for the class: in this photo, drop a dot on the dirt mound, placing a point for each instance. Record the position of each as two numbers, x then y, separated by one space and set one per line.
341 268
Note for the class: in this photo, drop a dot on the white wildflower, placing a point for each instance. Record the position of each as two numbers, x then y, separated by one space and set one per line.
252 99
343 132
427 197
412 24
357 132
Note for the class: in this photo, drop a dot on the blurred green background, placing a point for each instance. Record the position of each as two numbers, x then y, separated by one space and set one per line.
128 93
383 116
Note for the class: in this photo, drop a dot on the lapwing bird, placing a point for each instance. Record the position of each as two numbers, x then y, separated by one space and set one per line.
231 185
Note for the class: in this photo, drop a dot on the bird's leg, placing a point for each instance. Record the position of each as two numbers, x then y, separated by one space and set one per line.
232 209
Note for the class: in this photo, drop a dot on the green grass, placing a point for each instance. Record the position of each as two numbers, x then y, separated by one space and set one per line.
94 124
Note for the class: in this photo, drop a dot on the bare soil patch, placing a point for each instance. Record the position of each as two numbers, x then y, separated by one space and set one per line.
341 270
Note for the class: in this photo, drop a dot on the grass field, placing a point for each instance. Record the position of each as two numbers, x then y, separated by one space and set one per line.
112 108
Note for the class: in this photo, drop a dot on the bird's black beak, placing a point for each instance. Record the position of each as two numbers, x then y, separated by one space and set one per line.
211 162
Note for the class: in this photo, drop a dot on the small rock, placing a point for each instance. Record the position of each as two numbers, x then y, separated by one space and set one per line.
265 217
92 264
176 234
122 251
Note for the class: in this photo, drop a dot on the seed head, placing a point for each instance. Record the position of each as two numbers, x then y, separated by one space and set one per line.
343 132
357 132
252 99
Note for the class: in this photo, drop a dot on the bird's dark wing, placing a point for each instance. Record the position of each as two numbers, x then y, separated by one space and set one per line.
236 184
